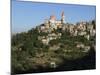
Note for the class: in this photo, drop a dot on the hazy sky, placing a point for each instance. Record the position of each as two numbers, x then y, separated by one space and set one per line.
26 15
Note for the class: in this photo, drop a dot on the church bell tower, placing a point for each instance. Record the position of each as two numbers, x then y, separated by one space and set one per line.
62 18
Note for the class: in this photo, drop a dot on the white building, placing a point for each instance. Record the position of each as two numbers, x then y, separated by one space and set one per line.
45 41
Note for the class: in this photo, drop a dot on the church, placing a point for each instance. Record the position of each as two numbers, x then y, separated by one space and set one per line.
53 23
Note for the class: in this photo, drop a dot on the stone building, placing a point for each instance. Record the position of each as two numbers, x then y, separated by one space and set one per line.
52 23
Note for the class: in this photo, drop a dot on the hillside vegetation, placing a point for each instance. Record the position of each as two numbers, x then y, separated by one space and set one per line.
29 53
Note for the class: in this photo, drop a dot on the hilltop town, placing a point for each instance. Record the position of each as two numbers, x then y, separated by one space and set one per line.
54 28
51 43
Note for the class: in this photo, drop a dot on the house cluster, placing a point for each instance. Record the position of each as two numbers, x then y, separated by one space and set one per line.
51 36
80 29
82 46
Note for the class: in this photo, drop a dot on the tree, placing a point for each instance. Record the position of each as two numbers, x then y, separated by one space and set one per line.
94 24
53 42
